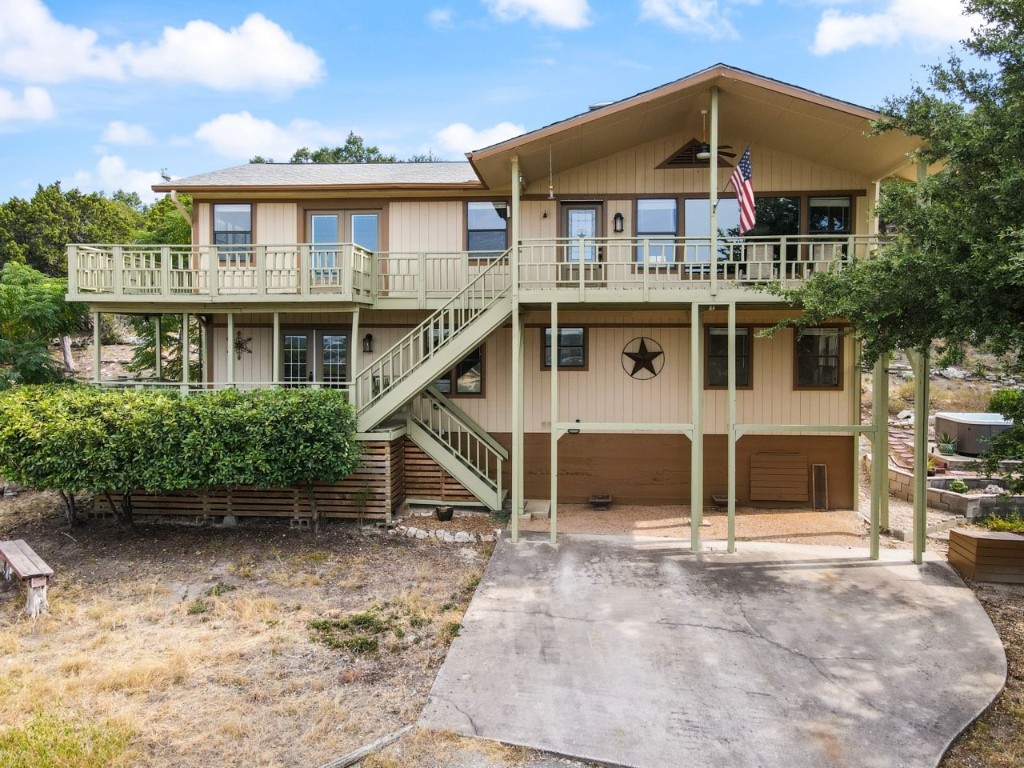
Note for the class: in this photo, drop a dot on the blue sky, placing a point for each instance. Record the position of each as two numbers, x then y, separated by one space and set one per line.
104 94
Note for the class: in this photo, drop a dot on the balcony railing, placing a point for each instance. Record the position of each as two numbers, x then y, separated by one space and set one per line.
206 272
603 268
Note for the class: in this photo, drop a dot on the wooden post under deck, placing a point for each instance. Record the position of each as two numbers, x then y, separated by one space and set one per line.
697 435
730 420
231 350
97 357
158 348
554 422
276 375
184 352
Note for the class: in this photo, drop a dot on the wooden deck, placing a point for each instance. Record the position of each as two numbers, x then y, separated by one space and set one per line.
987 555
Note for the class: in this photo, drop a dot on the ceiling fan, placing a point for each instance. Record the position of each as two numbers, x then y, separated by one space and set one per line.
704 150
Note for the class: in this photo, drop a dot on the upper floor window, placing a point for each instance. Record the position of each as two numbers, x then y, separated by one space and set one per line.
486 229
572 348
232 224
829 215
657 223
819 358
718 357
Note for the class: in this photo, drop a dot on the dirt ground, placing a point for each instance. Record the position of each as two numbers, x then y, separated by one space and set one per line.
266 646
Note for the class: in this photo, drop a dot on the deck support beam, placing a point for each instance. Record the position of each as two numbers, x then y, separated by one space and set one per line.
919 360
355 346
231 350
555 434
184 352
697 435
713 188
158 347
518 442
879 449
97 356
276 344
730 420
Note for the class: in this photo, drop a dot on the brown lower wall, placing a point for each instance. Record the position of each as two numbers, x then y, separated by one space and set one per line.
655 469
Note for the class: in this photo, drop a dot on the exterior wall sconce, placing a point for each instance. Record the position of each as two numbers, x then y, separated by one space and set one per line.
368 343
618 221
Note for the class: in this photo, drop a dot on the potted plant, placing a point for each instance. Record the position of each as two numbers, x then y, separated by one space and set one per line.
946 444
444 511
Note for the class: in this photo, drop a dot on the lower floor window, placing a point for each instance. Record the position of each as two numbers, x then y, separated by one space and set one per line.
466 378
818 358
572 348
718 357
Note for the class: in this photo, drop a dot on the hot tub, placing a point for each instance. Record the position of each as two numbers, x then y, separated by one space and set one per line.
972 431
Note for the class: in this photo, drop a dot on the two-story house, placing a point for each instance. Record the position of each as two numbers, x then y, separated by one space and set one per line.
572 312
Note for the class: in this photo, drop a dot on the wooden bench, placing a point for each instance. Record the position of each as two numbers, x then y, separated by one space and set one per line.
987 555
19 558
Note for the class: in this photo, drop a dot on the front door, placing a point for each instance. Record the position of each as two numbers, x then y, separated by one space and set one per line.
581 223
314 357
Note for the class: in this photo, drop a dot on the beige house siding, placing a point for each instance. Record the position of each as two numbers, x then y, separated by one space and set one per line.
634 170
419 226
276 223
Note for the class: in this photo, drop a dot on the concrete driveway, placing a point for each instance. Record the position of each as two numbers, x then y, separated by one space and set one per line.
637 652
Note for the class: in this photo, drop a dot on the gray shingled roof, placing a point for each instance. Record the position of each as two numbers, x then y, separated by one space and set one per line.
318 174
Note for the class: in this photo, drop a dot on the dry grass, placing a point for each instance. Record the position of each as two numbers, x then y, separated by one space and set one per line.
240 682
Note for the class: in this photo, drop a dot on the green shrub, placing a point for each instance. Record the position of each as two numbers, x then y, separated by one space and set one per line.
1012 523
958 486
1004 401
56 739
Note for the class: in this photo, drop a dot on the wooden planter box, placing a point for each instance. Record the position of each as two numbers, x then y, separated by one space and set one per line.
987 555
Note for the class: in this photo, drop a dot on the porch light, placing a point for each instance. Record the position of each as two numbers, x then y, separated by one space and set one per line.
618 221
368 343
574 430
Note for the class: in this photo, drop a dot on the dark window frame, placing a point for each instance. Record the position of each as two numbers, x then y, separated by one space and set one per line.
545 347
487 255
244 248
797 356
749 331
452 375
656 234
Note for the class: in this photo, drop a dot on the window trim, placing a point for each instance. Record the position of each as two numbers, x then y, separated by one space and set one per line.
750 357
466 230
453 380
840 362
638 261
252 229
585 345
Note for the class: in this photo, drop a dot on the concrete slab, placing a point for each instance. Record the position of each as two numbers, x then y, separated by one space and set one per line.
640 653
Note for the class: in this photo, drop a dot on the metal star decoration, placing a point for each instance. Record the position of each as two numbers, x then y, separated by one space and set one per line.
643 358
242 345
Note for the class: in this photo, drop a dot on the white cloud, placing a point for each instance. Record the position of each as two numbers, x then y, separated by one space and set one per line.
708 18
440 18
120 132
567 14
240 136
922 23
112 173
258 55
34 104
459 138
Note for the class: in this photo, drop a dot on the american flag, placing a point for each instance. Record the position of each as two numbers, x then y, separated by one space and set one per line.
742 181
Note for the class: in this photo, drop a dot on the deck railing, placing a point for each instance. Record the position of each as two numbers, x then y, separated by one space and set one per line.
426 279
208 271
197 387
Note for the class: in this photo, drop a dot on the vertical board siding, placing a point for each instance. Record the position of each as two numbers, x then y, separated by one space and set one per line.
426 226
276 223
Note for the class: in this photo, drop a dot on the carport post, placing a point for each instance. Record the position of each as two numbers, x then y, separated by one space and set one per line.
158 348
879 450
97 356
185 352
919 359
880 388
554 422
518 503
730 417
697 435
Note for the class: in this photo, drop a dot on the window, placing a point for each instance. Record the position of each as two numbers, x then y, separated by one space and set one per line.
572 348
466 378
818 358
697 223
829 215
654 218
717 347
232 226
486 229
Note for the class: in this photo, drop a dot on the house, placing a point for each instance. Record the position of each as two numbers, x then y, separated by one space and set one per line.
572 312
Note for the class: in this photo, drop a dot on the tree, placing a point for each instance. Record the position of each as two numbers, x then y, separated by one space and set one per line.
32 312
37 231
955 269
354 150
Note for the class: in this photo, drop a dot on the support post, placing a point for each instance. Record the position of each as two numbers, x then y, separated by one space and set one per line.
697 438
554 422
713 192
97 357
879 454
517 485
277 348
730 419
919 359
231 350
881 389
184 352
158 347
355 347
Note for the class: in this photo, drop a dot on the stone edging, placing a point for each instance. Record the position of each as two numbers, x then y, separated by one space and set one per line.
440 534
